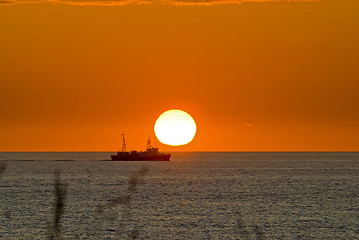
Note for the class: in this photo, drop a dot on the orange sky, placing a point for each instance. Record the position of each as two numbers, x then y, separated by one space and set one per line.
257 76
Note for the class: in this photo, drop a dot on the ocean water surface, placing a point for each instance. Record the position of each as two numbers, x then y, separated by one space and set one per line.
197 195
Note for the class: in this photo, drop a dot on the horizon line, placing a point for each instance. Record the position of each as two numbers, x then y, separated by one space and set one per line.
186 151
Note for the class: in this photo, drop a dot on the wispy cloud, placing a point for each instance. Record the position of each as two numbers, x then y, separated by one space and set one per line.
221 2
141 2
76 2
6 2
102 3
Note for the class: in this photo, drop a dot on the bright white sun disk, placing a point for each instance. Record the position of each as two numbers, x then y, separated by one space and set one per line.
175 127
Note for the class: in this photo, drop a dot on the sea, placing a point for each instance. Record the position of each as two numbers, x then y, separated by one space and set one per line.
196 195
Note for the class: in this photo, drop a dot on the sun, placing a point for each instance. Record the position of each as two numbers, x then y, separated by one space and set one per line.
175 127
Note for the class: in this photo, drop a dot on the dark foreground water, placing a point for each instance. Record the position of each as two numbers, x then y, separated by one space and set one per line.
195 196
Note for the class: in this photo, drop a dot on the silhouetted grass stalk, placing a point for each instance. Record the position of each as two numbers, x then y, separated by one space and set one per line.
60 190
2 169
125 200
246 230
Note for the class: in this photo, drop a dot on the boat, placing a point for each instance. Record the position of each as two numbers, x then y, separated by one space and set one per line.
151 154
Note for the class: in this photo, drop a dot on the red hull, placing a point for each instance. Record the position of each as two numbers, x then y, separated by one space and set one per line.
138 157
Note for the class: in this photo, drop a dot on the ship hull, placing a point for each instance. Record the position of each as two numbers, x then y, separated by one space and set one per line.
129 157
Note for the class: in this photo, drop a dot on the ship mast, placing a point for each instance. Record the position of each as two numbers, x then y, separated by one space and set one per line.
148 146
123 143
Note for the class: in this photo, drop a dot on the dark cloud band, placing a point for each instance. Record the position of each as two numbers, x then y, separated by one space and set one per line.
140 2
